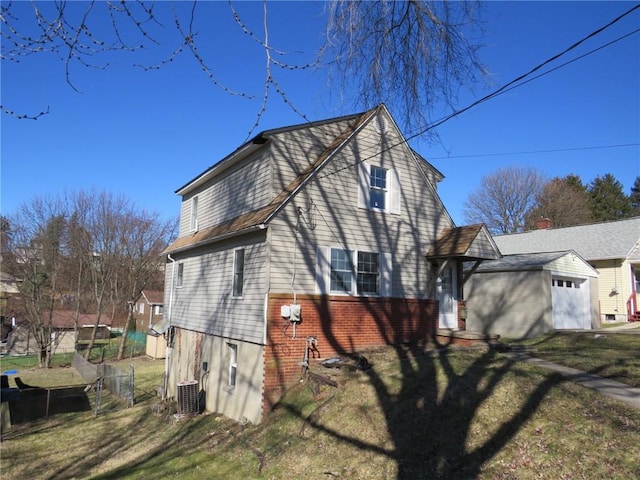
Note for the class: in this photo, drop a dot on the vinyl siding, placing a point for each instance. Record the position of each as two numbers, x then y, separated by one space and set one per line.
571 266
510 304
481 247
330 217
205 302
241 189
294 150
613 273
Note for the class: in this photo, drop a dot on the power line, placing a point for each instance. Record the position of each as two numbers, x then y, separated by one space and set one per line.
595 147
506 87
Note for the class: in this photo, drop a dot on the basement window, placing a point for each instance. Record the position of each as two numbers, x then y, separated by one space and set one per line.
233 365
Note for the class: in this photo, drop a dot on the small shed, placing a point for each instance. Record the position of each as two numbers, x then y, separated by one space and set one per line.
527 295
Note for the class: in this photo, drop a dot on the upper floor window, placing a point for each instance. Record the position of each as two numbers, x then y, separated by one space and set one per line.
193 225
238 272
159 310
378 188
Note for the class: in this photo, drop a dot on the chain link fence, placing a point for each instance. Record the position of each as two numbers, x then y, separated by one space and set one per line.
116 381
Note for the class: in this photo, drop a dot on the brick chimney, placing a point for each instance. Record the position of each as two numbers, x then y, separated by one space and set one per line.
542 223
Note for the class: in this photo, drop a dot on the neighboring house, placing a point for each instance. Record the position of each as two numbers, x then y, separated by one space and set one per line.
314 240
63 322
21 340
612 248
527 295
149 309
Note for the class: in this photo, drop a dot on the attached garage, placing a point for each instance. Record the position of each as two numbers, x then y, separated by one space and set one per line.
527 295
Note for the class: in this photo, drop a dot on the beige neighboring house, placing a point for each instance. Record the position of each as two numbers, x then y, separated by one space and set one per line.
611 248
63 323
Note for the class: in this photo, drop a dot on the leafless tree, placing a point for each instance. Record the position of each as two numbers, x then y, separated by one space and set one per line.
411 55
504 199
561 202
92 246
35 258
144 236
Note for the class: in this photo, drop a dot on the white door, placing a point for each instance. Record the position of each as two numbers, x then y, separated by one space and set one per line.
447 299
570 303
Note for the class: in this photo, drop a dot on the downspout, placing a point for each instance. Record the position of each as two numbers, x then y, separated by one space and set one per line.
168 348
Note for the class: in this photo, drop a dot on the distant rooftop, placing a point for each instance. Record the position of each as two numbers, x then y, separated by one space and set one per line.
596 241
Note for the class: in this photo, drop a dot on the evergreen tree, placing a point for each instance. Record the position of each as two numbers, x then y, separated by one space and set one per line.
608 200
635 197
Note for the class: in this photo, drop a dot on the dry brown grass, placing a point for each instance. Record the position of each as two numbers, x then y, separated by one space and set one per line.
458 414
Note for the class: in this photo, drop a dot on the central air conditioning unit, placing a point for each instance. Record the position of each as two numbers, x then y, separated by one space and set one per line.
188 397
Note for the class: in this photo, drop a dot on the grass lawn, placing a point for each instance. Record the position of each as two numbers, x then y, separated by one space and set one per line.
459 414
612 354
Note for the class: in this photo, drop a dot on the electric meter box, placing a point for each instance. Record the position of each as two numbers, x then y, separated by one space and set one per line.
285 311
295 312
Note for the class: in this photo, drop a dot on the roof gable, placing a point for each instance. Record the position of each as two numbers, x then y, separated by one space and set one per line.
557 262
258 219
472 242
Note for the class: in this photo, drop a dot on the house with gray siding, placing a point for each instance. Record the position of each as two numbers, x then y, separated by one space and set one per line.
307 242
528 295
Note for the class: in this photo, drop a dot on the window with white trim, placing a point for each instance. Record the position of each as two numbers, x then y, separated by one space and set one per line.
159 309
368 273
193 225
140 307
353 272
180 275
341 271
378 188
238 272
233 364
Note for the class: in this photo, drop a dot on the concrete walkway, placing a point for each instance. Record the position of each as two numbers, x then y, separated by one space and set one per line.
611 388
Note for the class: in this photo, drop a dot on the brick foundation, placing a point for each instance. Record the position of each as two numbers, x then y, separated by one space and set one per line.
341 325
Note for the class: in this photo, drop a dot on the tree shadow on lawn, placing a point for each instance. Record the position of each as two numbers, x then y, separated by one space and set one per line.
431 430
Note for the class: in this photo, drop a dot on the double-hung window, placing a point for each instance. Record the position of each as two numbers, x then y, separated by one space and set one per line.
378 188
368 273
238 272
341 271
353 272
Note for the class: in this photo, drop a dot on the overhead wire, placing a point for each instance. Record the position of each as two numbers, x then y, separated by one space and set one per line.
506 87
594 147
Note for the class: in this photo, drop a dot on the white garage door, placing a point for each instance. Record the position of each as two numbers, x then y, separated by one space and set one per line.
570 300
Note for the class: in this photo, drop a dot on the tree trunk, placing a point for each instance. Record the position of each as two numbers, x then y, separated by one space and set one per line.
125 332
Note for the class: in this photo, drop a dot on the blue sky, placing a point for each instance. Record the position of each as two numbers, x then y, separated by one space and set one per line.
143 134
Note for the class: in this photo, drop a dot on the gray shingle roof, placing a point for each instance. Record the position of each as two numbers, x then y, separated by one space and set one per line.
598 241
522 261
